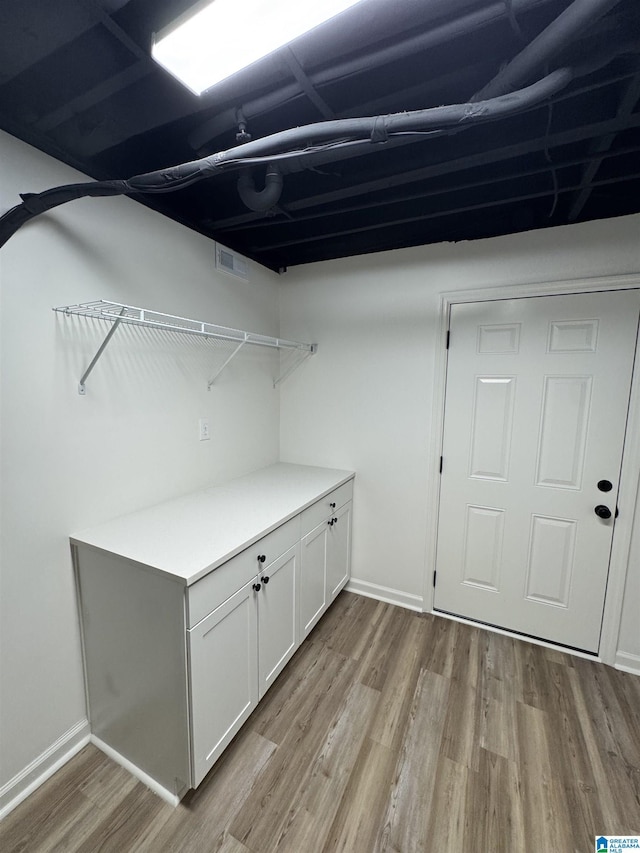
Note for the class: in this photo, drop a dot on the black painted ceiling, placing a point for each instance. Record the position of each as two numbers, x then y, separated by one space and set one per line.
77 81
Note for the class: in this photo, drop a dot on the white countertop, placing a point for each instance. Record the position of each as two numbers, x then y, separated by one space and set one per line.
189 536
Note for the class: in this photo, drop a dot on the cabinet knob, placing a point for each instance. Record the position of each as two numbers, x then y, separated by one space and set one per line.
332 505
257 587
265 579
332 521
262 558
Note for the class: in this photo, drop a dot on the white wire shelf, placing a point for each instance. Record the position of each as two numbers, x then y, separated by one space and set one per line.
116 313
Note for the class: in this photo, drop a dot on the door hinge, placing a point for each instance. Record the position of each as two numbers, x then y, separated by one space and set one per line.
448 337
441 462
434 577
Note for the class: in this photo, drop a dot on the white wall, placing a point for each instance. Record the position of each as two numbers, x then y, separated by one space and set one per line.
364 401
71 461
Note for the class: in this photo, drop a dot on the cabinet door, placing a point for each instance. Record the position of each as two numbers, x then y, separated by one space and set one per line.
223 676
339 551
277 616
313 584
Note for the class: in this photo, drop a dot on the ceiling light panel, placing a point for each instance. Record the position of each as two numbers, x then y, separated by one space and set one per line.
224 36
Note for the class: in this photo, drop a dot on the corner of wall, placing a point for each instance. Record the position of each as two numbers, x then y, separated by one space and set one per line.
41 768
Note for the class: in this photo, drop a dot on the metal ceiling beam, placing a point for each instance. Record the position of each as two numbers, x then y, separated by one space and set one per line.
417 196
107 88
305 83
257 250
483 158
93 96
625 109
55 31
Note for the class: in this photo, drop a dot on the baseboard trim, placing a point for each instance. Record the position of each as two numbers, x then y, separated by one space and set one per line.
156 787
628 662
386 594
43 767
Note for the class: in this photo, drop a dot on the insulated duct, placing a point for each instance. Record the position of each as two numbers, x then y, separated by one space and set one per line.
557 36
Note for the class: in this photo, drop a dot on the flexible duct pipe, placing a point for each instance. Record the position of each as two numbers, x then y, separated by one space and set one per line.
292 143
558 35
263 200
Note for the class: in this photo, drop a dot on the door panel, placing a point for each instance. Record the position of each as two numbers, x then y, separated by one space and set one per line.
339 552
277 616
536 405
313 581
224 677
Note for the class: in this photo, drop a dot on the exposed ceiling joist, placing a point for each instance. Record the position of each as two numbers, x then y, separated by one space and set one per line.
77 81
625 111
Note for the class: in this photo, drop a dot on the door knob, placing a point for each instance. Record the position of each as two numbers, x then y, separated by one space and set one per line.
262 558
265 579
602 511
605 485
256 587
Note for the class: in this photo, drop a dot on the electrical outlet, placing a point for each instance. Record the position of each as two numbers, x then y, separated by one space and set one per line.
203 429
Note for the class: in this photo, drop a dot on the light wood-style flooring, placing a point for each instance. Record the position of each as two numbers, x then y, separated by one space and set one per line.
388 731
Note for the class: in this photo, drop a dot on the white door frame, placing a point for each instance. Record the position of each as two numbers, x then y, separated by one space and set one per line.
629 483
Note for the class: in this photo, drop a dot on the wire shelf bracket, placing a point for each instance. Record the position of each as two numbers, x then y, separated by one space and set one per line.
117 313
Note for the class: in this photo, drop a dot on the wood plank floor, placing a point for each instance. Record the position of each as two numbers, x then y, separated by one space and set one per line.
388 731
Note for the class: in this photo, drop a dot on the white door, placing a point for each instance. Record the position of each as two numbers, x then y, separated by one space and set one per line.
277 616
536 406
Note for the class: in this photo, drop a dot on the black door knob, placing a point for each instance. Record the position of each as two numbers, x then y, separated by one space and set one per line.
265 579
257 587
605 485
332 505
330 522
602 511
261 558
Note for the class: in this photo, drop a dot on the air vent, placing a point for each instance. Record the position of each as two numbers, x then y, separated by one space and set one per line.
229 262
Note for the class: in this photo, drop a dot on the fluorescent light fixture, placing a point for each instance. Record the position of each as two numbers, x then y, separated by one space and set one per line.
217 39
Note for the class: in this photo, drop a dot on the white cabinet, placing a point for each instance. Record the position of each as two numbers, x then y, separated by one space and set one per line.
325 560
313 577
191 609
243 644
339 551
277 601
223 677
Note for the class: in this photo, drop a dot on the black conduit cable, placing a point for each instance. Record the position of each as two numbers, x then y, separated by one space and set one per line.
284 144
